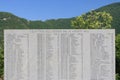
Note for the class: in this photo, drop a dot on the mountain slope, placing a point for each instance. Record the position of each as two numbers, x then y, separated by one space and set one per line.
60 23
10 21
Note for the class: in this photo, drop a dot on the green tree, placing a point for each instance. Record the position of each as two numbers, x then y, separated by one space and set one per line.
117 77
93 20
1 60
117 44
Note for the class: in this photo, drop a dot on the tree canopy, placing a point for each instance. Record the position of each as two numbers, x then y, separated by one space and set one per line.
117 53
93 20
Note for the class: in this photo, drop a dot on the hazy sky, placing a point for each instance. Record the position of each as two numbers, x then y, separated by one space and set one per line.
51 9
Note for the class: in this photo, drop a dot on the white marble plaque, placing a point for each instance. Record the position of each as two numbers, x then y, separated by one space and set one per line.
59 54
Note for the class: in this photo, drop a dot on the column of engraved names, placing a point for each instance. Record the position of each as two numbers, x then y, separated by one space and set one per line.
51 55
71 55
64 55
76 56
16 57
101 56
9 67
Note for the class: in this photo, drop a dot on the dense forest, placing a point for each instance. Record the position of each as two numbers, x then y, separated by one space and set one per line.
10 21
